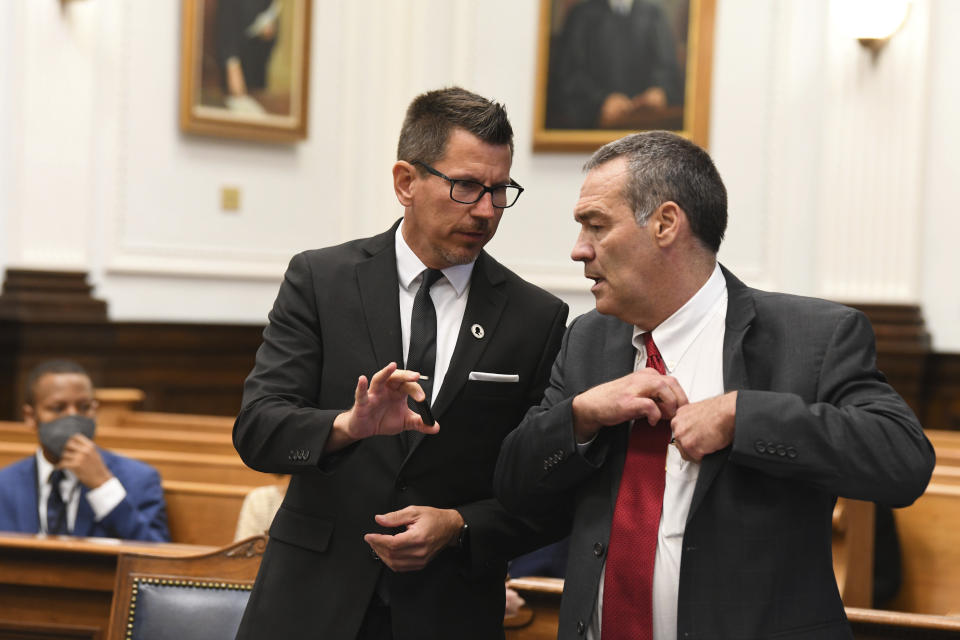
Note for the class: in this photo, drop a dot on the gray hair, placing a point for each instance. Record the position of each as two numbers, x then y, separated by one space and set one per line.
666 167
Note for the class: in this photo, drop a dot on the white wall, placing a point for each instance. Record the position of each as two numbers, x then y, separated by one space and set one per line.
839 167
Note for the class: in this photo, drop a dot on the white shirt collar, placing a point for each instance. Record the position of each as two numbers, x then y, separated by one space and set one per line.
675 334
409 267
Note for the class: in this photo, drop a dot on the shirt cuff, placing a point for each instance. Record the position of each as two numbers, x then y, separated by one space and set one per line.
582 448
105 498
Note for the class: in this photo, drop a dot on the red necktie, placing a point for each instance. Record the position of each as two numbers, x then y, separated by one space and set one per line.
628 582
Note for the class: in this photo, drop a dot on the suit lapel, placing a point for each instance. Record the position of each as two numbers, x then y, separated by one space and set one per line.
83 525
28 513
379 294
485 305
740 313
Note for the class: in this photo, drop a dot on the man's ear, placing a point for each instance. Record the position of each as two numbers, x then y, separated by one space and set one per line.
29 417
404 179
667 221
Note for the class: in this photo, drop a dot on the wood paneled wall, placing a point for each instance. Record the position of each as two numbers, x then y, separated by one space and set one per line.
182 368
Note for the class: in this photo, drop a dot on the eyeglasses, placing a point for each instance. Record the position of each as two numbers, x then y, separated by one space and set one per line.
468 191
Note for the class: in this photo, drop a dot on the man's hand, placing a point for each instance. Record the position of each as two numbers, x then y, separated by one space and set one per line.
380 408
513 602
428 531
615 107
652 98
641 394
706 426
81 457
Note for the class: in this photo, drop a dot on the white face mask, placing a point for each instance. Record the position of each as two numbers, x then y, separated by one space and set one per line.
53 435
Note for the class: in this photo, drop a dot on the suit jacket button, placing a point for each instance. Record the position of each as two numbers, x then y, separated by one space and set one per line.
760 446
781 450
791 452
546 465
581 627
771 448
598 549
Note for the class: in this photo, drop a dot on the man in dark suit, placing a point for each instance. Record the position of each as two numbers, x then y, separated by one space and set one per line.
768 407
389 527
71 486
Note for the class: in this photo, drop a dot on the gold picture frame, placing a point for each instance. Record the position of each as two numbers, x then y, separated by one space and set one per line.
576 65
245 69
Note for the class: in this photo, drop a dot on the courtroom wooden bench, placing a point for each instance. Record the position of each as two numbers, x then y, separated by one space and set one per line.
930 552
176 421
117 409
172 465
137 438
203 512
874 624
61 586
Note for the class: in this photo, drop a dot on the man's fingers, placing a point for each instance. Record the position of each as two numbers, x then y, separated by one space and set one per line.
678 393
413 390
360 394
415 422
380 377
399 518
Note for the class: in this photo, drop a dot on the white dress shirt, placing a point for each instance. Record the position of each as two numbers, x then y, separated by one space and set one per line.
103 499
691 344
449 295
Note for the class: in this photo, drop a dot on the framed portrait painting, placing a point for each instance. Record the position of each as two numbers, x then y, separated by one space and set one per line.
244 68
607 68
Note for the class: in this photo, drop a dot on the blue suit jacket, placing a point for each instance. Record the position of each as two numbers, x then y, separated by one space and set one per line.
141 515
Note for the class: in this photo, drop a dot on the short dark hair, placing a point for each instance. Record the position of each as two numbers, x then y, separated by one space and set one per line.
49 367
663 167
431 116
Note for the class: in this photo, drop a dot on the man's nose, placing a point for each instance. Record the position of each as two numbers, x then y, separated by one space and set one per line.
582 251
484 208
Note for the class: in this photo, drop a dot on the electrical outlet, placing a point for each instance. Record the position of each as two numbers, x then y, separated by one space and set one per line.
230 198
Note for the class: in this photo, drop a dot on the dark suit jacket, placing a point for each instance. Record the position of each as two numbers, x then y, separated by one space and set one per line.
337 317
141 515
815 420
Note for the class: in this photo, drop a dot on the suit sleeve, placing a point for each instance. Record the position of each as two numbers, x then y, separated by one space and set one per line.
540 466
496 534
279 428
858 439
142 514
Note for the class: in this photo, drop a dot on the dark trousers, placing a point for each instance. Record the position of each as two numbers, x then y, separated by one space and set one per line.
376 621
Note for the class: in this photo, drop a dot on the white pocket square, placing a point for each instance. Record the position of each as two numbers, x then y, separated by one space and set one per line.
483 376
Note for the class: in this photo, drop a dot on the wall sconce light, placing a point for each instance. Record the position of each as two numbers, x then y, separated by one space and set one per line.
872 22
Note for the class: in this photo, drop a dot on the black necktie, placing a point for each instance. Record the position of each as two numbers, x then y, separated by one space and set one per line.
422 354
56 508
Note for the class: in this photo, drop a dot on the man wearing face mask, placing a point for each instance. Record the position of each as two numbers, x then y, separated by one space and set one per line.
70 486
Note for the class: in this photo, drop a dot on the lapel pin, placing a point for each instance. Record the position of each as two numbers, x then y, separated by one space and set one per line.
477 331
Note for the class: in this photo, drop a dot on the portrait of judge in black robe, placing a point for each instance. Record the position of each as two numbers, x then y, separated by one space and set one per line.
617 64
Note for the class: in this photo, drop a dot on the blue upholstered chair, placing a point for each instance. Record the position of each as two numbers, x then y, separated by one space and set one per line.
184 598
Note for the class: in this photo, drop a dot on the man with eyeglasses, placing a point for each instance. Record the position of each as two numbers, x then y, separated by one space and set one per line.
391 370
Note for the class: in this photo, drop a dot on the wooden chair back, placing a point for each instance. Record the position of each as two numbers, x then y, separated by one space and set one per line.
184 598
